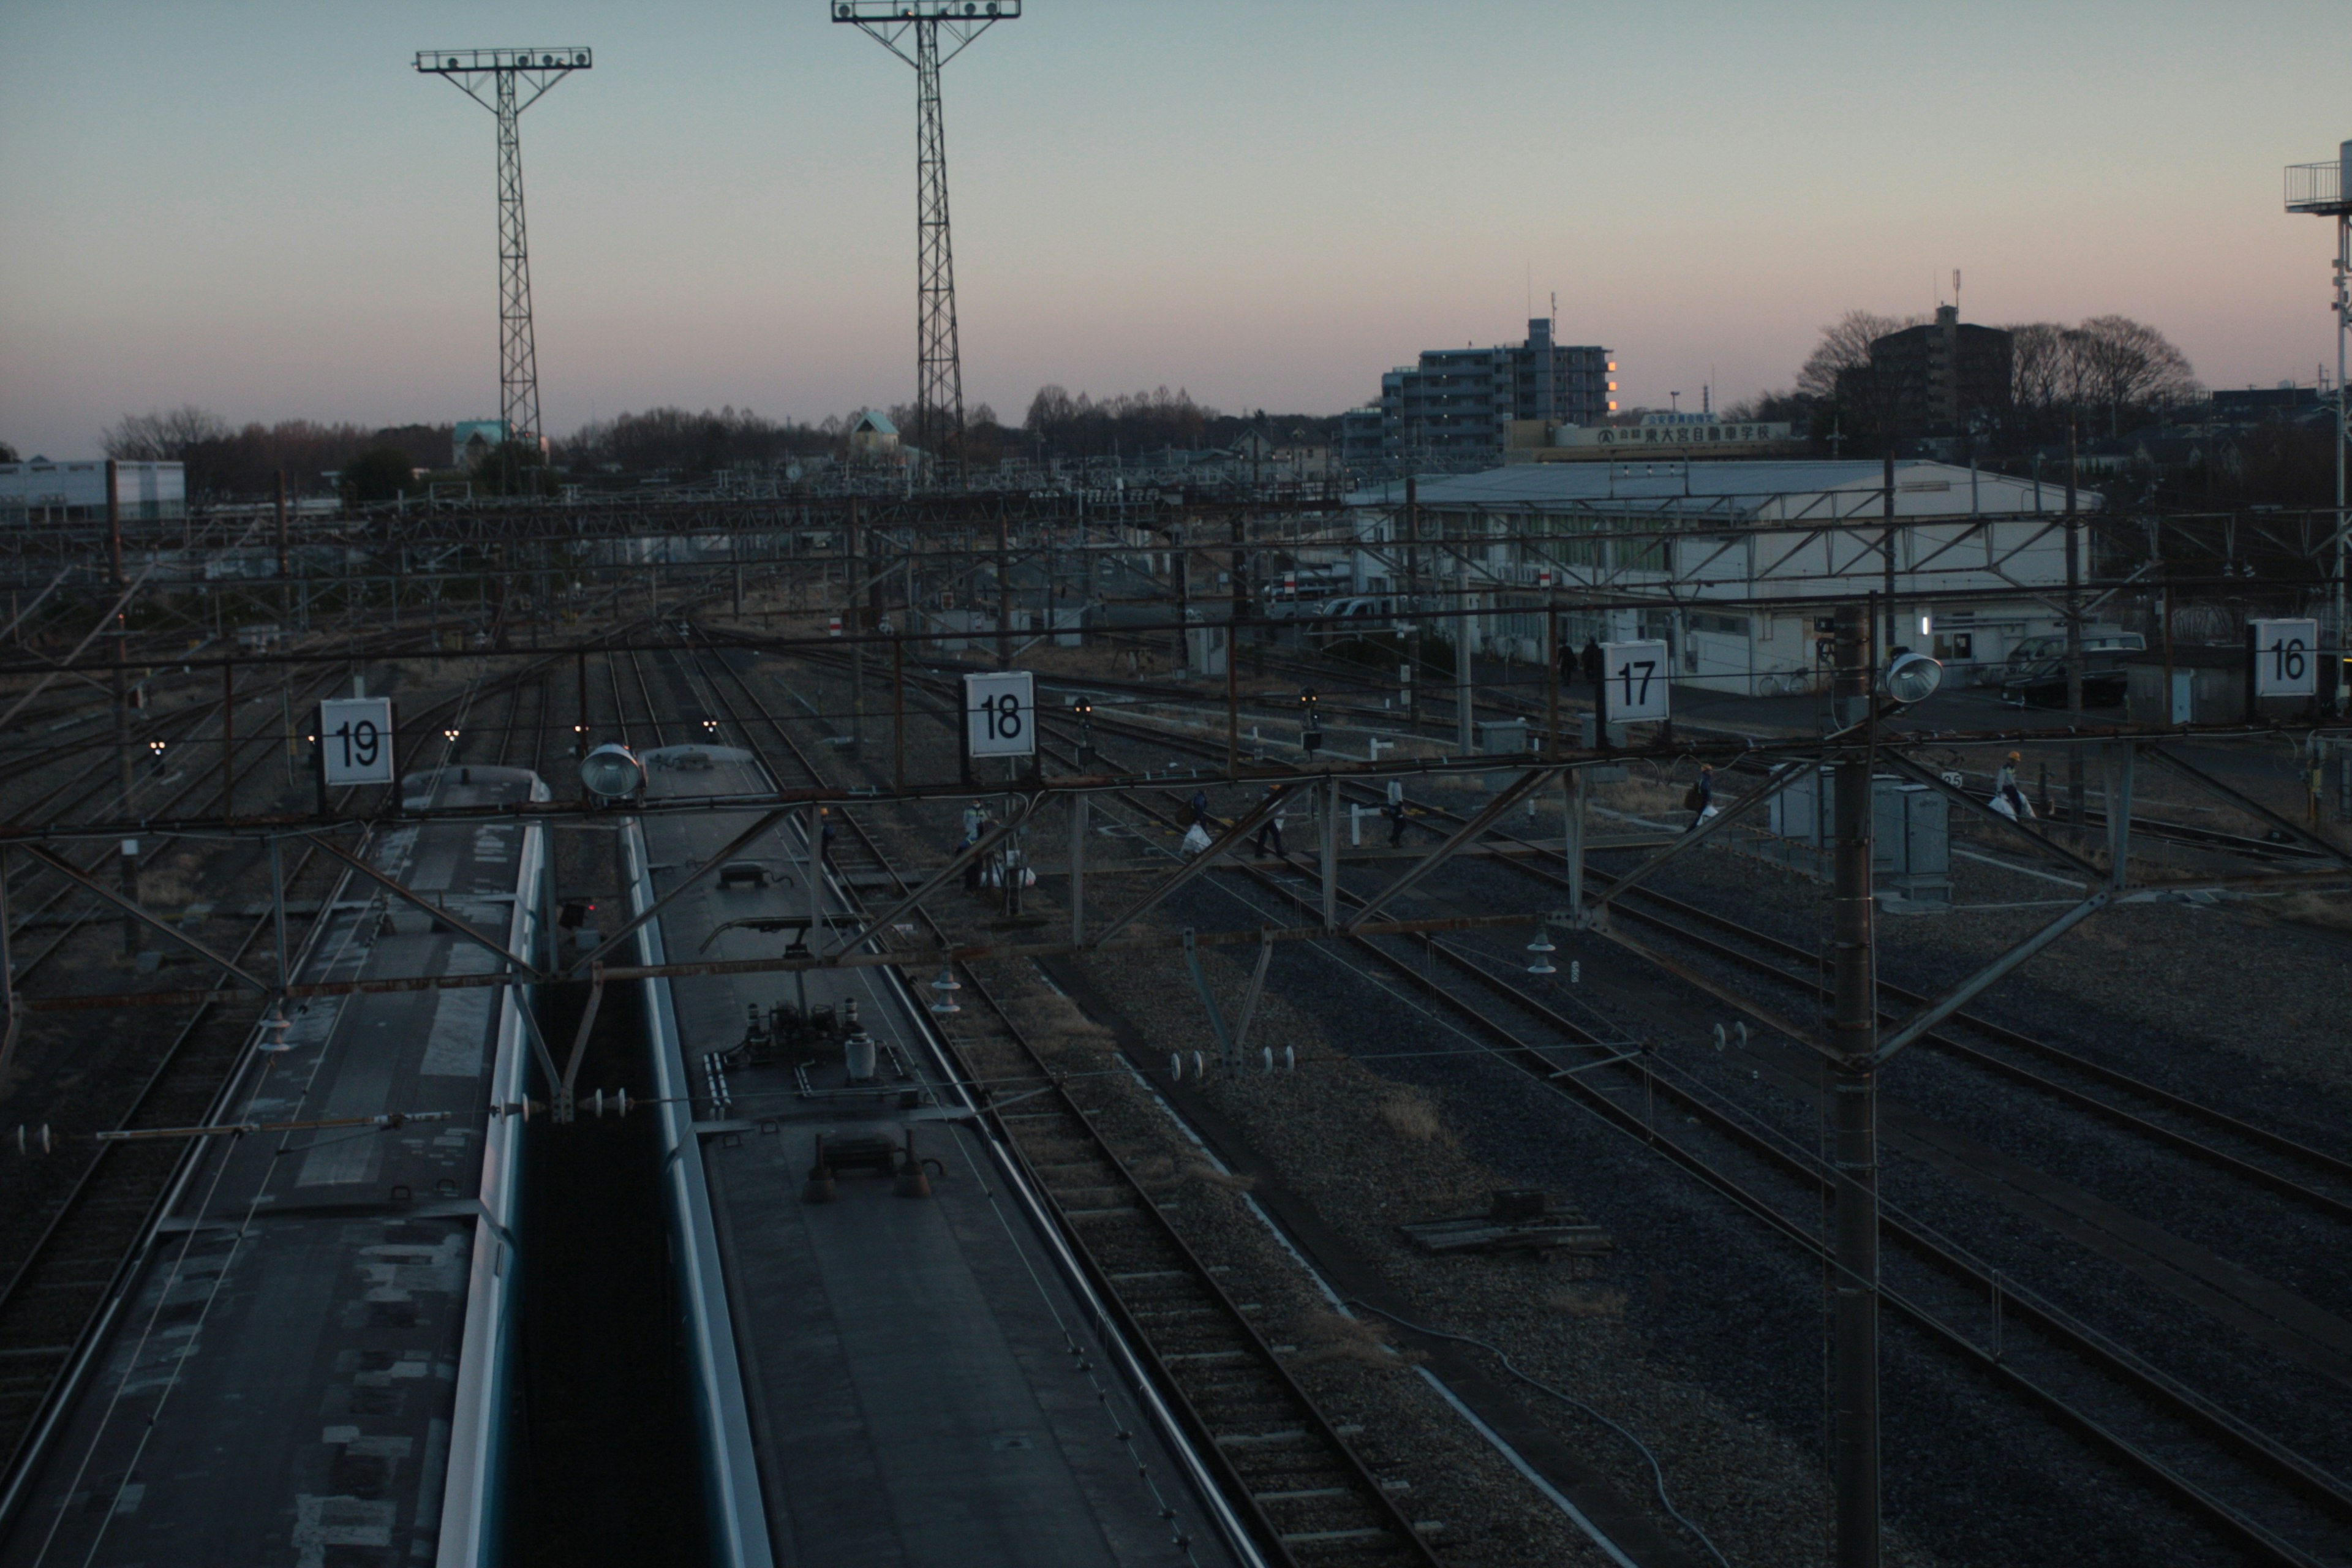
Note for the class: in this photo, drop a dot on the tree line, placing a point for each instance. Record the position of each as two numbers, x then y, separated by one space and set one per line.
2099 376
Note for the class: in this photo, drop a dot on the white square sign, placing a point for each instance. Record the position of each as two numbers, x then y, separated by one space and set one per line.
2287 658
999 714
1634 680
355 739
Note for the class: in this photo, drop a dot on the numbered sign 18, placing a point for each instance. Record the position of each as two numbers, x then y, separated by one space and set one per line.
1633 681
2287 658
355 739
999 714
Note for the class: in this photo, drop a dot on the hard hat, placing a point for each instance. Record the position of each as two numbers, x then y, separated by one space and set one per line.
2014 757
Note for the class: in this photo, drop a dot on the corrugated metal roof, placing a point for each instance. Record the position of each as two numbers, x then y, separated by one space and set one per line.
1780 486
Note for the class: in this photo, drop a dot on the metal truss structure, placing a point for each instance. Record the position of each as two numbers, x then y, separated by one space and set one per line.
938 365
516 78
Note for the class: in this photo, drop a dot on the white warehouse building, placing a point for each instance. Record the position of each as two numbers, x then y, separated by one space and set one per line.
75 491
1776 543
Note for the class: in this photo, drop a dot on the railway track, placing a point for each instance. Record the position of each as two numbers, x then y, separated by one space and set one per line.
1304 1492
2244 1483
54 1299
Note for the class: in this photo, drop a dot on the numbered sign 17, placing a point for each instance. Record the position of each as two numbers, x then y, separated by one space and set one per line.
999 714
2287 658
1633 681
355 739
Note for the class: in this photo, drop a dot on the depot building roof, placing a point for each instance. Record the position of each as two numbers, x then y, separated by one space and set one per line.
1763 491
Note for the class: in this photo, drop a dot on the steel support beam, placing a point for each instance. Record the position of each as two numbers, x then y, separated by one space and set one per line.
2090 874
1783 777
1080 810
1934 1013
130 908
2252 808
1469 833
1226 842
963 858
766 822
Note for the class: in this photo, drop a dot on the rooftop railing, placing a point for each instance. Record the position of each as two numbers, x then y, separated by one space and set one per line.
2316 187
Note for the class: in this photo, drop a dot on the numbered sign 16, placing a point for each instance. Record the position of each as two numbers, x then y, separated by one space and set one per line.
999 714
2287 658
1633 681
355 739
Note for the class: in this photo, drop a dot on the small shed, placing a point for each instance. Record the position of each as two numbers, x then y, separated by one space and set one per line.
2208 686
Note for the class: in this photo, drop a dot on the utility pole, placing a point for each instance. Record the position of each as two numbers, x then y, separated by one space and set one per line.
516 78
855 624
1411 598
1003 591
2074 801
125 778
1887 542
1464 727
1855 1113
1180 569
2325 189
939 366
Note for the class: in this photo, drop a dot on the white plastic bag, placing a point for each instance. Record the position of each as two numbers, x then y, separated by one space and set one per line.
2000 803
1196 842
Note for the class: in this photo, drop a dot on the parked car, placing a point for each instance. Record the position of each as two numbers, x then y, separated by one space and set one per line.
2112 642
2043 685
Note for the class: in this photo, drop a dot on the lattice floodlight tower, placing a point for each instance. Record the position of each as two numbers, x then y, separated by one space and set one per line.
506 82
2326 189
939 369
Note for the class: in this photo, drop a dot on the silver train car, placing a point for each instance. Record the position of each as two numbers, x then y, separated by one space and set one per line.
312 1358
894 1359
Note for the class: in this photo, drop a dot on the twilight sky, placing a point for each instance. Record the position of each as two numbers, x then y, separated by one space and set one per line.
261 207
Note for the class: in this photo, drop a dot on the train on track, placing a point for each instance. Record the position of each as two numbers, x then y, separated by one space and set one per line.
310 1354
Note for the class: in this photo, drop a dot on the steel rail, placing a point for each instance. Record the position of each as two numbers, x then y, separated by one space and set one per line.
1395 1529
2282 1464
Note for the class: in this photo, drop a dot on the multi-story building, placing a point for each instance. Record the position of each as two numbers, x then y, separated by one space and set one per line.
1452 410
1934 379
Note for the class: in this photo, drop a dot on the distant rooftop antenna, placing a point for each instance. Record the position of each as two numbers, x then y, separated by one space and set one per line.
938 365
514 80
1956 290
2325 189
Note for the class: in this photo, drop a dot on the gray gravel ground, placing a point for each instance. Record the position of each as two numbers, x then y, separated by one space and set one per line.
1701 1332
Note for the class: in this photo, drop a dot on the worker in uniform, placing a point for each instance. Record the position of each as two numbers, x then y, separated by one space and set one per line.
1701 798
1201 808
1591 660
975 824
2004 789
1272 827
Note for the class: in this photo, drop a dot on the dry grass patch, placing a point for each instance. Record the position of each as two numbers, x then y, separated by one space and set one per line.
1577 1304
1413 1118
2330 909
1330 1336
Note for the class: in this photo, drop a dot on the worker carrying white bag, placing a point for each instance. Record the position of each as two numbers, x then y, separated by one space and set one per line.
1196 840
2007 798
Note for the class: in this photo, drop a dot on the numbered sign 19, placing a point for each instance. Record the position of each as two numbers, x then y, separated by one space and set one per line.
999 714
1633 681
2285 658
355 741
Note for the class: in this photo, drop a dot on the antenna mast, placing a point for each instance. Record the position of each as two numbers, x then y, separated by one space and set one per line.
515 79
938 365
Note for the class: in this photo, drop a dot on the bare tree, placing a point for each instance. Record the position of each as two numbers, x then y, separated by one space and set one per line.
1845 345
163 437
2126 364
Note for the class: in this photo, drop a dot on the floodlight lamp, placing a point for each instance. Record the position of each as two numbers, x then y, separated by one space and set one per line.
612 771
1912 678
450 735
